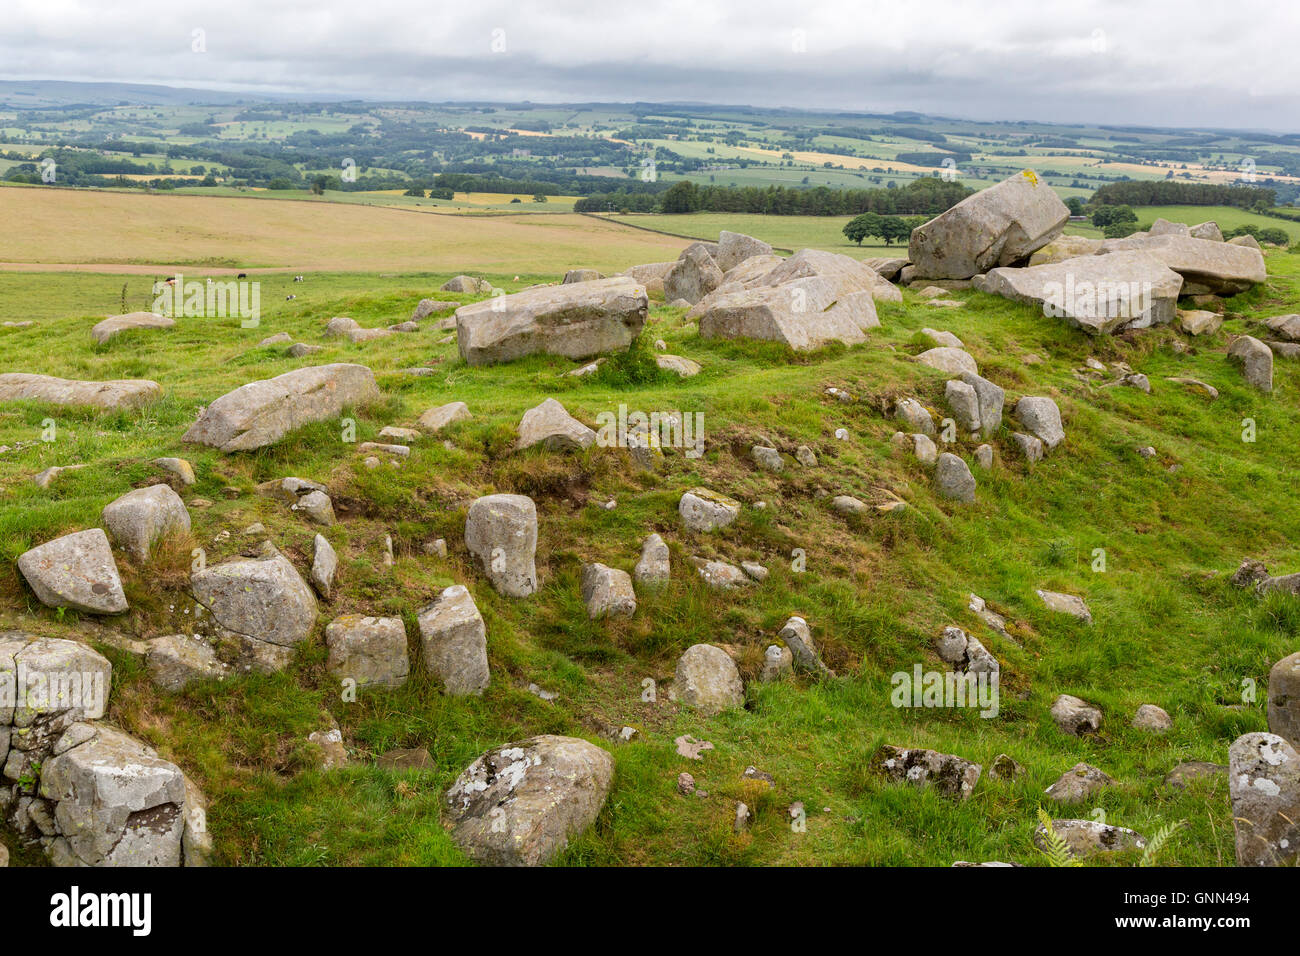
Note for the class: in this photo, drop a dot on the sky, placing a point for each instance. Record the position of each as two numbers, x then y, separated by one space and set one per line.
1144 62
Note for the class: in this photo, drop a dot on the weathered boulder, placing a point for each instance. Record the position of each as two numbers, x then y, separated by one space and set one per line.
804 651
175 660
693 276
368 650
1207 267
262 605
849 276
426 307
341 327
1070 604
1152 718
964 404
735 247
1255 359
803 313
1284 699
521 803
75 571
1287 326
950 776
1208 230
998 226
574 321
580 275
436 419
114 324
708 681
952 361
953 479
704 510
1081 782
261 413
454 638
1163 227
115 801
1065 247
468 285
552 427
653 569
1199 322
607 592
501 533
1040 416
720 574
1085 838
1030 447
991 399
140 518
945 339
1075 717
1264 784
1099 294
1247 240
116 395
914 415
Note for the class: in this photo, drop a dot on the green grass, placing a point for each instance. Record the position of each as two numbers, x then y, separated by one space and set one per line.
877 591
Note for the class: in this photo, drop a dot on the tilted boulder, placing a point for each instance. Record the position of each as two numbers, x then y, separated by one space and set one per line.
848 274
575 321
261 413
998 226
501 534
1098 294
111 326
1207 267
552 427
113 395
76 571
735 247
140 518
1255 359
262 605
521 803
694 275
1042 419
607 592
1065 247
1284 699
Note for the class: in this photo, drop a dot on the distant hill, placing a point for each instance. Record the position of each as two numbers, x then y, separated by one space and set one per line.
45 94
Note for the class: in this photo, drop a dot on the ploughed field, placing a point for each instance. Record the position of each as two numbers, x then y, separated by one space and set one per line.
876 585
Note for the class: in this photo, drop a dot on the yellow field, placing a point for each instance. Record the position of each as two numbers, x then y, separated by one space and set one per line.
109 228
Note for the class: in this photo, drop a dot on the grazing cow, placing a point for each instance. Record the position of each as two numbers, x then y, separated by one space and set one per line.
242 275
289 298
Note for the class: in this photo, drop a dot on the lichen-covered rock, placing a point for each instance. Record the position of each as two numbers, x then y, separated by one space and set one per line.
454 638
1255 359
140 518
76 571
653 569
949 775
1042 419
177 659
1284 699
804 651
263 605
1085 838
501 533
953 479
1264 784
261 413
708 681
521 803
368 650
1080 783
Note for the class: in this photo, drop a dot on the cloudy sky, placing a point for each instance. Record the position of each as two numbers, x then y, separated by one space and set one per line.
1157 62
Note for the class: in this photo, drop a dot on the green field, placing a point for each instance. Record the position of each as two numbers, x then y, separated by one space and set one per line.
877 590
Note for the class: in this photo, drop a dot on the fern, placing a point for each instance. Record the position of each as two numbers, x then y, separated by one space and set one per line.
1157 842
1058 851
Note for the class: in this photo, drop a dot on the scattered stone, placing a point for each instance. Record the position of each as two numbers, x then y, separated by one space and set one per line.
685 784
984 457
139 519
950 776
454 639
75 571
263 605
767 458
115 324
261 413
991 399
118 395
1215 268
720 574
1192 383
708 681
1088 837
939 338
1078 784
521 803
501 534
744 817
845 505
1004 768
914 415
1076 717
1256 360
735 247
1042 419
333 754
1152 718
805 456
1184 773
965 405
953 479
952 361
317 506
704 510
177 659
179 467
690 748
754 570
778 663
340 327
46 478
803 649
1284 699
1199 322
607 592
370 651
1066 604
436 419
550 426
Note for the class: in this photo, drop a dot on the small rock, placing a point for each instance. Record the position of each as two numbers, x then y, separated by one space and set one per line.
1076 717
1152 718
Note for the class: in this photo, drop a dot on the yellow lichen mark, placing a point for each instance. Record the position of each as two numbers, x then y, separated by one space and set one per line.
1030 175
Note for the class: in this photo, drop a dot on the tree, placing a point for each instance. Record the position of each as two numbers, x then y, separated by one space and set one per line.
859 227
1113 215
415 191
1075 205
681 197
539 197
